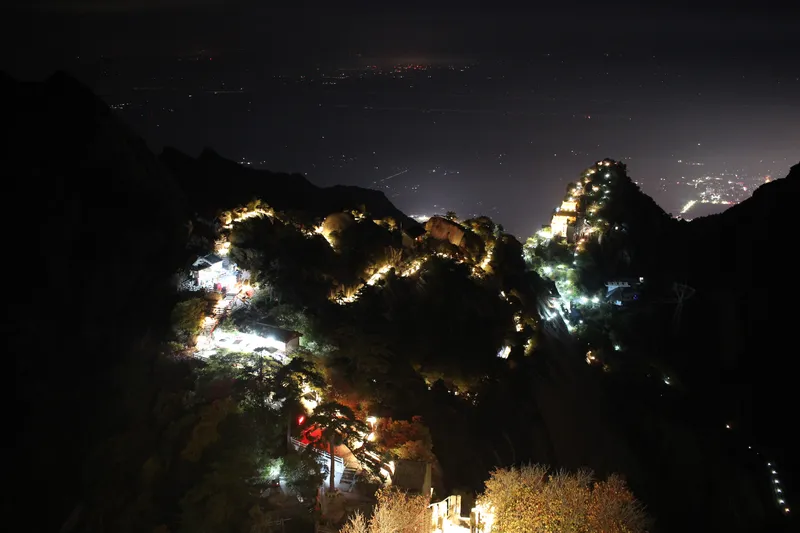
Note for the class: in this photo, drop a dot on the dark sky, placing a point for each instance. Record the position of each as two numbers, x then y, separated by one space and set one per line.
115 27
717 84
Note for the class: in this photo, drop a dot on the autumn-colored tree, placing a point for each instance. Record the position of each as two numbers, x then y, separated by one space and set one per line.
406 439
395 512
531 499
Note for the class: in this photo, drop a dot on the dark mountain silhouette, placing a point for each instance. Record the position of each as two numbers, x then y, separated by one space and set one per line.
98 228
213 182
718 312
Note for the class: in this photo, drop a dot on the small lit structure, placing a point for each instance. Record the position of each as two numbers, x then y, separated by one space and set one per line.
214 272
561 222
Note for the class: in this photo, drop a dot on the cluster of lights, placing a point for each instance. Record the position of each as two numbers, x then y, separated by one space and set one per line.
776 485
484 264
379 275
413 268
254 213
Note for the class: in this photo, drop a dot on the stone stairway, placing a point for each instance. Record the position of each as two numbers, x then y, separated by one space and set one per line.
348 480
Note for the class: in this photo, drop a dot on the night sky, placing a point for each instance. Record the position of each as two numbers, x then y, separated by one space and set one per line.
510 107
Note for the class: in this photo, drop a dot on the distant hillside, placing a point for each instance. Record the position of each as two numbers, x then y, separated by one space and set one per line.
214 183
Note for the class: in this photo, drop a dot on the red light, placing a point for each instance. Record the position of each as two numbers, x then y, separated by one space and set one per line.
300 419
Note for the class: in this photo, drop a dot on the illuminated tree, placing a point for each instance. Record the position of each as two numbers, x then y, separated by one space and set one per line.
187 316
337 422
530 499
406 439
395 512
288 384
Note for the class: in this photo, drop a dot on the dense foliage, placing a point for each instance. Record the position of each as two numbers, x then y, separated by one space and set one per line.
530 499
394 512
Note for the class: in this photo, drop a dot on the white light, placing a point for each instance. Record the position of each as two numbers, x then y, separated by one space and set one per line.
785 509
547 269
584 299
778 490
372 419
617 347
774 472
769 464
595 300
608 175
776 481
781 502
728 426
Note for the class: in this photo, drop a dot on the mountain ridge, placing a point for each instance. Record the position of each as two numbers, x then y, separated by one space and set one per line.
293 192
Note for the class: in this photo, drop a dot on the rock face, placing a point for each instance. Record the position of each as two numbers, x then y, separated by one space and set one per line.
99 227
213 183
337 222
445 230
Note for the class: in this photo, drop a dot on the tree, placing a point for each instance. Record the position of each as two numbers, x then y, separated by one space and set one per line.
288 384
395 512
338 423
530 499
406 439
187 316
451 215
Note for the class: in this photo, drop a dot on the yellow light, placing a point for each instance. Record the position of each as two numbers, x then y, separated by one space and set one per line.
371 437
372 420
